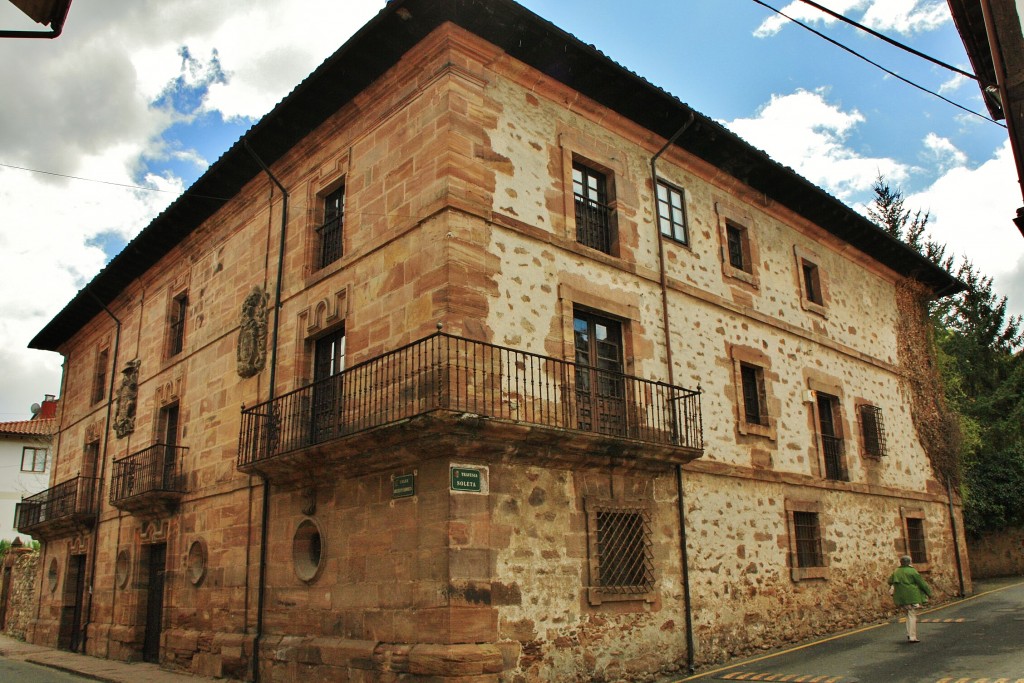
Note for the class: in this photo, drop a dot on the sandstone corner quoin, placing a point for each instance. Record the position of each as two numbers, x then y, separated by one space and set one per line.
494 362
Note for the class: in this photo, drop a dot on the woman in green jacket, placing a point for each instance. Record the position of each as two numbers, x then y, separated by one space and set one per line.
909 590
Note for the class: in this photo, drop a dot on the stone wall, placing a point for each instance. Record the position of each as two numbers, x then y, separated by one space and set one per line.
20 596
998 553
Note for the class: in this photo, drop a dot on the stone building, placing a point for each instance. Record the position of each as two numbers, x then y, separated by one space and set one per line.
480 358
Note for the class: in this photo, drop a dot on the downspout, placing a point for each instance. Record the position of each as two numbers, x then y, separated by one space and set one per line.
265 518
956 539
103 464
671 380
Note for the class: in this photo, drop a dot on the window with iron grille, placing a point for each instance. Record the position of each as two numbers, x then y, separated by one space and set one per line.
672 213
807 539
833 451
621 561
594 225
755 410
330 232
873 430
33 459
915 541
176 338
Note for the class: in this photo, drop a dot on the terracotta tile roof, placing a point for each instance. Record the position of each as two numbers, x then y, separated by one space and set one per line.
29 428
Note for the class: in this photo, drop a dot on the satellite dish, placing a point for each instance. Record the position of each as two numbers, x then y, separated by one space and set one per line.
35 408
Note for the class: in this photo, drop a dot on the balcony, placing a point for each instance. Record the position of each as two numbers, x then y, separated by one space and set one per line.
469 399
58 511
150 482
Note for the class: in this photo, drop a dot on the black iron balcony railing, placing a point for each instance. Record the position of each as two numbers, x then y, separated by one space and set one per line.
835 467
152 471
70 503
444 372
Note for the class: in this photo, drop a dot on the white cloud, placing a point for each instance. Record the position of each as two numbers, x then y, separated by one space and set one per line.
885 16
802 130
943 152
971 212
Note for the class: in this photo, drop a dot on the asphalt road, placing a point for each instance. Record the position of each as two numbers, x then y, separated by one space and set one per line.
13 671
976 640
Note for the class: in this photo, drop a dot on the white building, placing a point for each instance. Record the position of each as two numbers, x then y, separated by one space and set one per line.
24 461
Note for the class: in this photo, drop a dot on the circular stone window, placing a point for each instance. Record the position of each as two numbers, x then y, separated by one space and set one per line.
195 564
122 568
307 550
51 575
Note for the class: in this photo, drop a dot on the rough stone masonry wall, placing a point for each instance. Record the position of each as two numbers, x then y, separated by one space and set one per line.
21 599
998 553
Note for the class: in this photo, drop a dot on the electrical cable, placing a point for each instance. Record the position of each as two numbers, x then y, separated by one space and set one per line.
892 41
876 64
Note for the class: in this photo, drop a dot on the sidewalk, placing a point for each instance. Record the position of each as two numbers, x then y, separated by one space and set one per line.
92 667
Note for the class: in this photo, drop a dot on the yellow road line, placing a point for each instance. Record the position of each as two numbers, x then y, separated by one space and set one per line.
846 634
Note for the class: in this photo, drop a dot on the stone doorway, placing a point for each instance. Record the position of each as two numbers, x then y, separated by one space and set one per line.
154 567
69 637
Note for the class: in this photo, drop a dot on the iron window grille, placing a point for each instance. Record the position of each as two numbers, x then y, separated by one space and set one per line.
808 540
593 212
622 564
672 213
915 541
873 430
329 234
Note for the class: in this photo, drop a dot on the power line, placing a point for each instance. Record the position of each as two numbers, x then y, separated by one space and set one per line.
876 64
891 41
88 180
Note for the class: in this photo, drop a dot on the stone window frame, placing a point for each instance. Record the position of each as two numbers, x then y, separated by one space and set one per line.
748 356
807 259
862 408
177 315
619 306
732 216
600 158
907 514
332 176
796 572
598 594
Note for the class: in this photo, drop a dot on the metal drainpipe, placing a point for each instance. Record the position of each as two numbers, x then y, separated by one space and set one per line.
671 380
956 539
265 519
103 464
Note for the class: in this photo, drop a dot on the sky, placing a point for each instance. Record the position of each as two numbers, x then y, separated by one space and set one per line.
105 126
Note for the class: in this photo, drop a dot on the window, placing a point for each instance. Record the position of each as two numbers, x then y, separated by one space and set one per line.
328 361
808 539
99 376
831 439
806 545
736 244
167 424
915 541
755 409
621 561
594 225
33 459
90 459
329 234
672 213
176 331
600 390
872 430
812 282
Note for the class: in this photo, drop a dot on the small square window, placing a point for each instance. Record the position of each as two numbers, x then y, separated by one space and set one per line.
621 560
330 232
672 213
176 329
872 430
34 459
594 215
